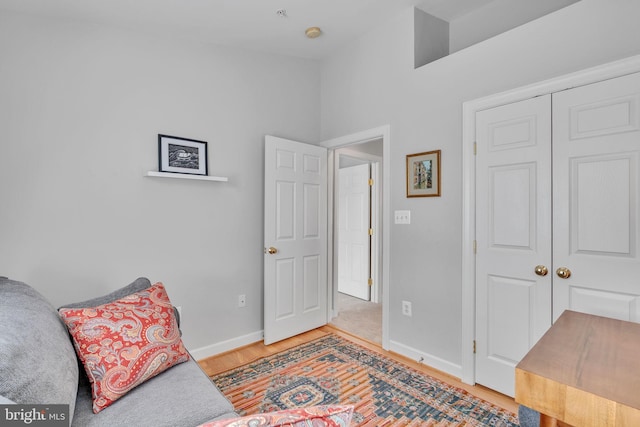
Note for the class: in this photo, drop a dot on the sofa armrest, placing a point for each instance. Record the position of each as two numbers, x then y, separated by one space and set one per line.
6 401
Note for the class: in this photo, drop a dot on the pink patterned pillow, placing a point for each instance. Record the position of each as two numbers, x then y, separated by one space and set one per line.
313 416
125 342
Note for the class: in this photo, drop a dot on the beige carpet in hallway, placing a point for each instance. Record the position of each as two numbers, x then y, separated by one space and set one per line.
360 318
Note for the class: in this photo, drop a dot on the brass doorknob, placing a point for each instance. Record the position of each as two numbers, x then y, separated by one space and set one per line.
541 270
272 250
563 272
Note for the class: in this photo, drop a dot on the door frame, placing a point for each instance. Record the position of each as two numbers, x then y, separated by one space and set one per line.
384 133
591 75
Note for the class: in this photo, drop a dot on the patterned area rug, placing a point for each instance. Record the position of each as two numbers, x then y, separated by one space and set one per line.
333 370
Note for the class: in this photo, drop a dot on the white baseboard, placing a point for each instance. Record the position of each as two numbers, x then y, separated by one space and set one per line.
427 359
221 347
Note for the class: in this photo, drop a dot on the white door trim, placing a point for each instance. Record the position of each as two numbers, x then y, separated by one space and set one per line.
588 76
384 133
376 238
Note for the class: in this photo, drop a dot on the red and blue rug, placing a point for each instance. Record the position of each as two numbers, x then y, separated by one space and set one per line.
333 370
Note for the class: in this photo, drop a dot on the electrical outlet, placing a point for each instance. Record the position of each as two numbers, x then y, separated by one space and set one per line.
406 308
402 217
242 300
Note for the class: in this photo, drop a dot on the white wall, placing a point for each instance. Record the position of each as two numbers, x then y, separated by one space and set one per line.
372 82
497 17
80 109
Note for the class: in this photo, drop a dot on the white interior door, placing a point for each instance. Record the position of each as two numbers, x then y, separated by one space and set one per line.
596 152
295 238
353 231
513 223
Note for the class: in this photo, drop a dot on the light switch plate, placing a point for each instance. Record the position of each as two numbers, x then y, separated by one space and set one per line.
402 217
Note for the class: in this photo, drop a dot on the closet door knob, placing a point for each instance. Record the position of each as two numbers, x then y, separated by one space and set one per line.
272 250
541 270
563 272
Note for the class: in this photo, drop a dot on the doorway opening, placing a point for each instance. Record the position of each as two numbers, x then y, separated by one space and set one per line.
383 134
357 232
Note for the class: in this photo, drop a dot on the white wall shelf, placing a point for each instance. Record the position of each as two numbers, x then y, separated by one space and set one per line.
186 176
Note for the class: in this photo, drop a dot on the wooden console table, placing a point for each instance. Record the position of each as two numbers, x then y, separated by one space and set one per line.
585 371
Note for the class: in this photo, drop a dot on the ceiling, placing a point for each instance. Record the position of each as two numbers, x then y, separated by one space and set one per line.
250 24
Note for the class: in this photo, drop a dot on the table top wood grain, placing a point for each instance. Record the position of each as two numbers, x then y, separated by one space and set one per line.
584 371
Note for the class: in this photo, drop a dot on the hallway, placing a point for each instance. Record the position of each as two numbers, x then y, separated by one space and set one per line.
359 317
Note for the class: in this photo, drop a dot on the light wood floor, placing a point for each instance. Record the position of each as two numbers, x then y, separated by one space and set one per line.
243 355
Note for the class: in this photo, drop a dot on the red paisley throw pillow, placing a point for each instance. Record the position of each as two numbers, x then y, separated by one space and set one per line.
126 342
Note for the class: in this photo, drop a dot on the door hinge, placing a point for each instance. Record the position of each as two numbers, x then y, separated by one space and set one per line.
474 346
370 182
371 232
475 246
475 148
370 281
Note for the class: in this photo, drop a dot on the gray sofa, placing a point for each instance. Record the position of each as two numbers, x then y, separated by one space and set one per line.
38 365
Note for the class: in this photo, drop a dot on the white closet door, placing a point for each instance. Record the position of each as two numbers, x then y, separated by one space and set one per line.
513 223
596 149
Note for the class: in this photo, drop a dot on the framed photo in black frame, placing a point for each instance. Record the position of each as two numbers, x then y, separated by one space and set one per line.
182 155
